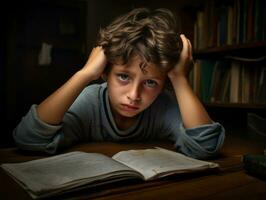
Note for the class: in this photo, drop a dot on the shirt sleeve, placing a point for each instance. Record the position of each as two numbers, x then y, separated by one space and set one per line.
200 142
36 135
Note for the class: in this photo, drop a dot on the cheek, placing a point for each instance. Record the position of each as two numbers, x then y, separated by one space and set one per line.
116 91
151 95
113 82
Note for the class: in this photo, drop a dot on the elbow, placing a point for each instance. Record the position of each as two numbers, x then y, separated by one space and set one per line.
26 140
202 143
34 135
20 137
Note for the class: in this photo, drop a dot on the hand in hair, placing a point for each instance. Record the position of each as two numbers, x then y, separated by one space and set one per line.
95 64
183 67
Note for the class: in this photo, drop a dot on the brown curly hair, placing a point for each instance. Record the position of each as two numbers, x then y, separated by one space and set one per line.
150 34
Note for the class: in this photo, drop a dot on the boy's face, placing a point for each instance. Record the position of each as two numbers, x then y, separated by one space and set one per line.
132 89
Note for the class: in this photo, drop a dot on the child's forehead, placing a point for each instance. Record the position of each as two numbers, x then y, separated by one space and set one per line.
137 61
138 66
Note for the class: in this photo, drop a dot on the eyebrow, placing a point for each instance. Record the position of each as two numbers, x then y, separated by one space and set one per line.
124 69
156 78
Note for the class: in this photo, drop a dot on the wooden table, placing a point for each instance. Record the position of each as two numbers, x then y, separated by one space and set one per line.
231 182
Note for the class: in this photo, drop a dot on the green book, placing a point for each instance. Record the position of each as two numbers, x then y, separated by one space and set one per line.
255 165
207 67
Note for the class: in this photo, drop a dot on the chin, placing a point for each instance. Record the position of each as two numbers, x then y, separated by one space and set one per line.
129 115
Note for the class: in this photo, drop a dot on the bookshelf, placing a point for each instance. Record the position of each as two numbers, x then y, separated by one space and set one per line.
252 49
230 57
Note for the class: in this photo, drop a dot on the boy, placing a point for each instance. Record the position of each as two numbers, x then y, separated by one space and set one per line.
136 54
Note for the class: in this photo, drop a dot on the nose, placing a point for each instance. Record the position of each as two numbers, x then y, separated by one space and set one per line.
134 93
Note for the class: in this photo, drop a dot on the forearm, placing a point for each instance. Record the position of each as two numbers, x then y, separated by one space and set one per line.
53 108
192 111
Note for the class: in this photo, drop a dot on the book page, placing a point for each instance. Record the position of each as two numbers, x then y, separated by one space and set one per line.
65 171
154 163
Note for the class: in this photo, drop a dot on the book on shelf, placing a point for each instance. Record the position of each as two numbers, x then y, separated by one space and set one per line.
221 23
234 86
262 86
231 80
76 170
219 86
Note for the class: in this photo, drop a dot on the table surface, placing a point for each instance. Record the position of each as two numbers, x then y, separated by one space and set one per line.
230 182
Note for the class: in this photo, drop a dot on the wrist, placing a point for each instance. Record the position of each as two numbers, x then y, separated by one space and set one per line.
178 78
84 77
180 83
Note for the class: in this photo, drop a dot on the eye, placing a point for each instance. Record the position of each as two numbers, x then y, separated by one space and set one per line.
150 83
123 77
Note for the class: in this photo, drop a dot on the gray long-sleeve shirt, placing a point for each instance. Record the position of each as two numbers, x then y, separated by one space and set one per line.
90 119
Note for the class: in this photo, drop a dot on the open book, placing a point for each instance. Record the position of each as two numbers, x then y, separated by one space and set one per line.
75 170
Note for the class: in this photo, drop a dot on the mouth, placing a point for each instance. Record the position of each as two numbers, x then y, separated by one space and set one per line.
127 107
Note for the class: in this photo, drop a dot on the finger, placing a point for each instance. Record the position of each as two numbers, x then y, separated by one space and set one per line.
185 43
95 51
191 51
189 43
92 52
189 48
